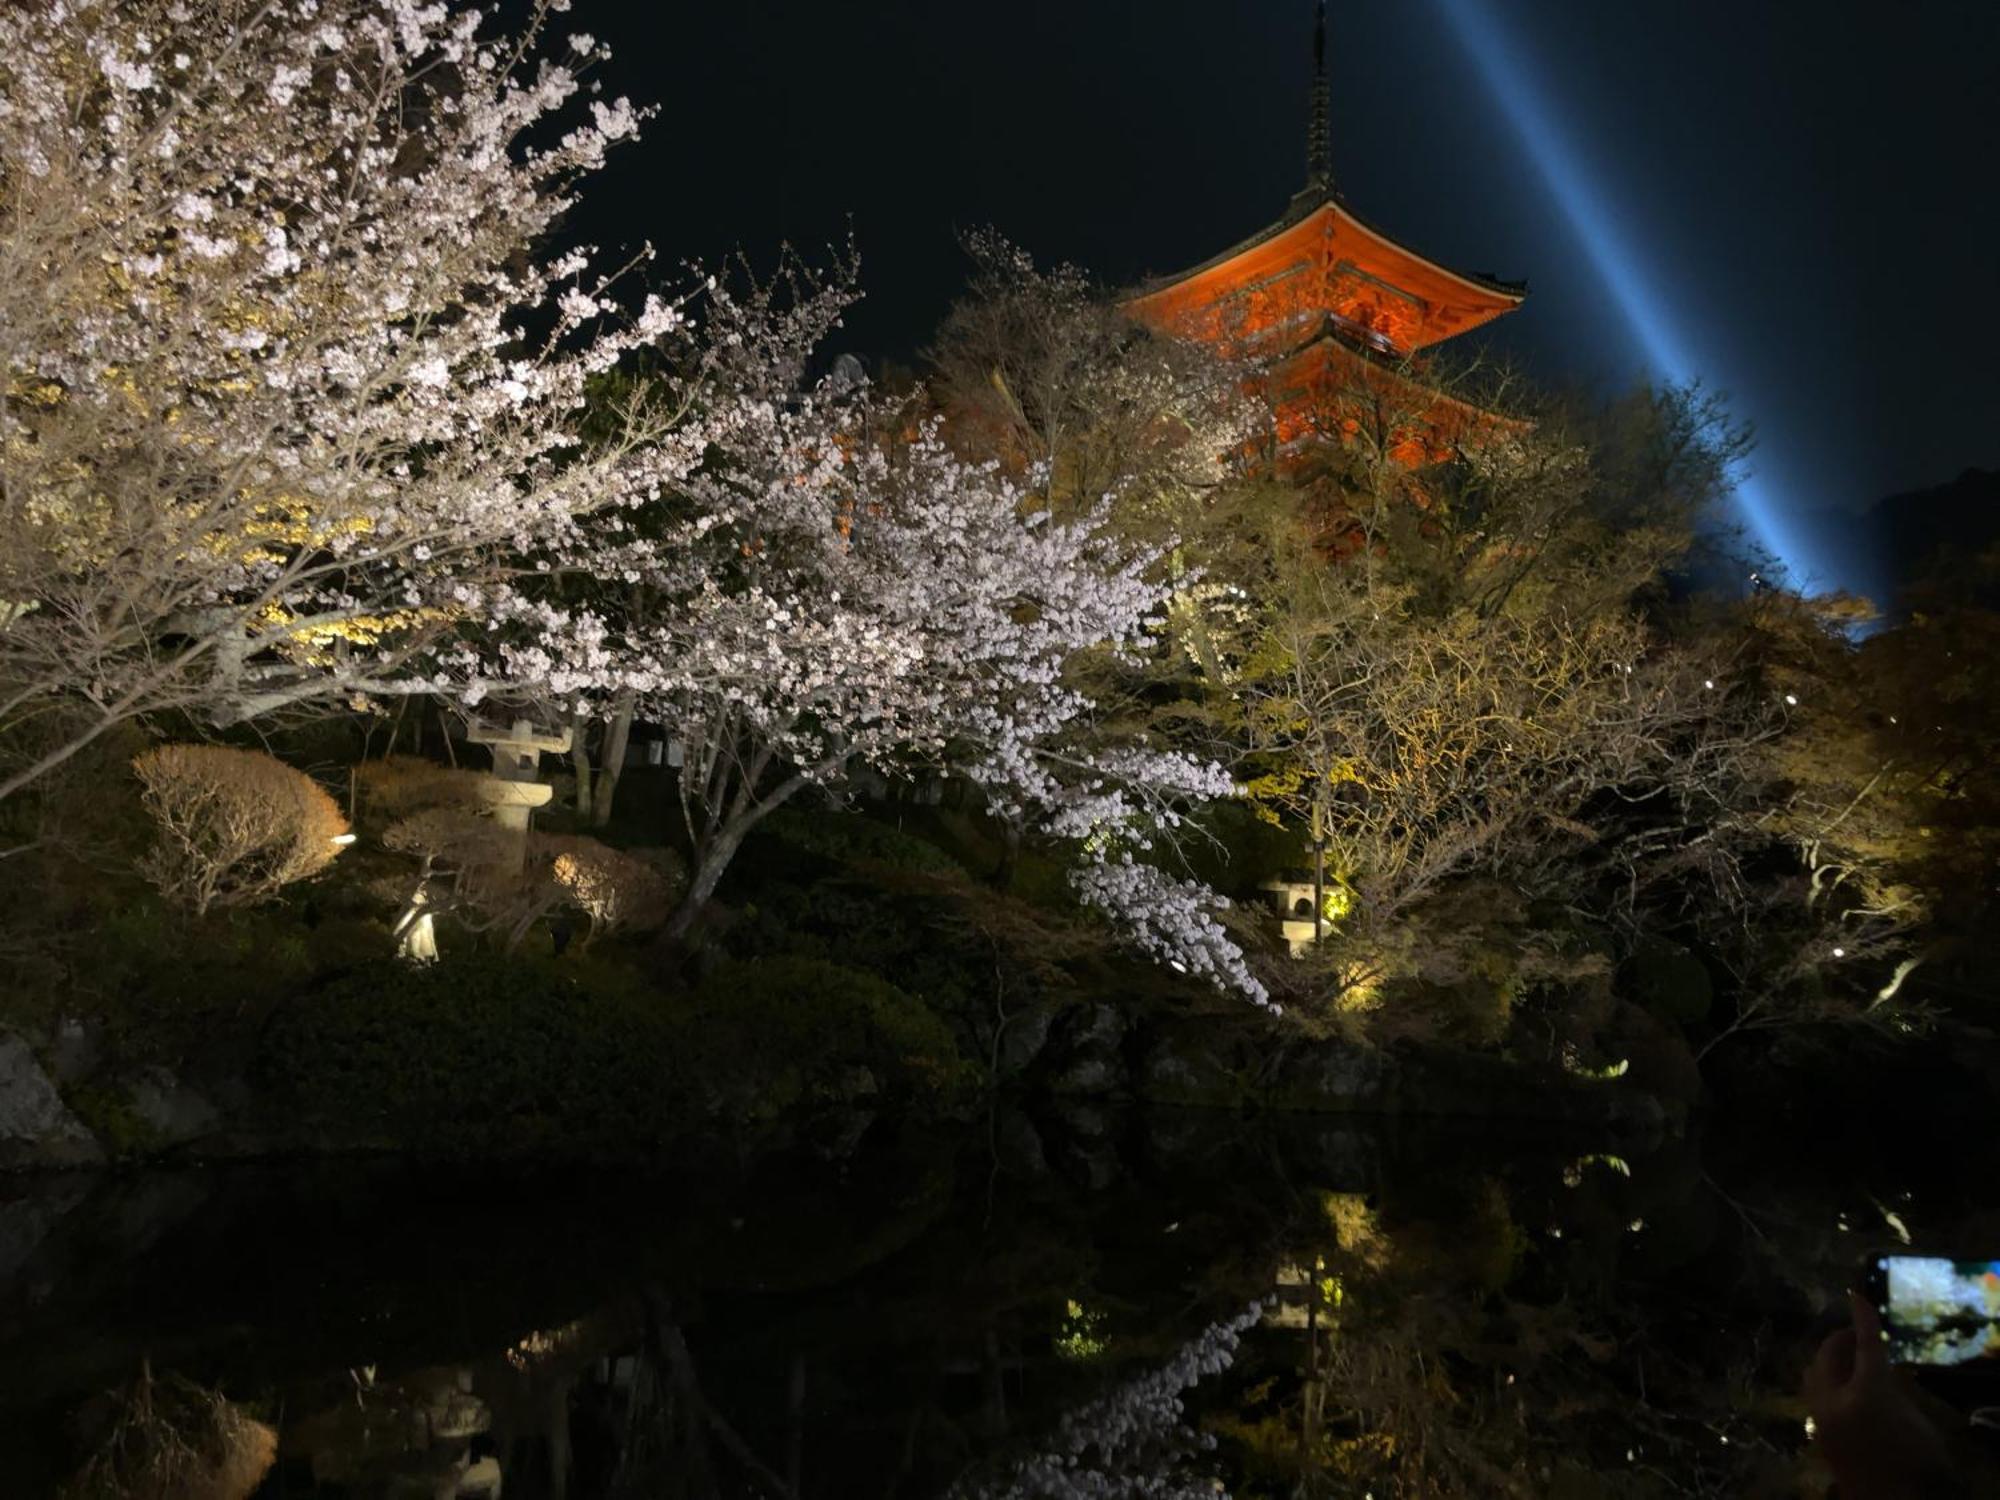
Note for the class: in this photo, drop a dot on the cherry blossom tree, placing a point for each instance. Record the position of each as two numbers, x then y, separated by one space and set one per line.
288 374
835 587
1036 365
298 411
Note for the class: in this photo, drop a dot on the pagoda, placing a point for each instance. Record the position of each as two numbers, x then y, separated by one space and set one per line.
1332 310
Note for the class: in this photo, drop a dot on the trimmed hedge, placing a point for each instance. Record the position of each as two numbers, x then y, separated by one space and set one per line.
489 1055
481 1053
847 838
803 1032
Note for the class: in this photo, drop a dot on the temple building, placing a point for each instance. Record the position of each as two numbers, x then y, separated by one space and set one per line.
1333 310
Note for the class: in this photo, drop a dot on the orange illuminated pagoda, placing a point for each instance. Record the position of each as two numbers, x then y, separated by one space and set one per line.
1332 309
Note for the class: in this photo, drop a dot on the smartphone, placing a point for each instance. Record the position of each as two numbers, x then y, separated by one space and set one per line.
1937 1312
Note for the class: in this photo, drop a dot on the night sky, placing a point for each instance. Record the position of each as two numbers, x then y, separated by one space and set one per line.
1799 202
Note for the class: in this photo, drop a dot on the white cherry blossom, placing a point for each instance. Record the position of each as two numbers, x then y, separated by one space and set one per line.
275 328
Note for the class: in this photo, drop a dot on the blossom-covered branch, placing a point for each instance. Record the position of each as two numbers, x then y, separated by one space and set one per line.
287 372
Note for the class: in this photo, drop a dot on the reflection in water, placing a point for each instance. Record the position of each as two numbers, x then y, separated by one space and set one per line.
1178 1305
415 1433
1135 1440
170 1437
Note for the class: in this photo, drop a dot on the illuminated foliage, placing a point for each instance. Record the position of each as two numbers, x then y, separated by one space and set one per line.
233 827
1081 1337
612 888
171 1437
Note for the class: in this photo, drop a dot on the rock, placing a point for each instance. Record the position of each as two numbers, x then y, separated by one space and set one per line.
1092 1165
1184 1140
36 1127
1094 1028
26 1221
1668 980
836 1134
137 1211
172 1111
1185 1065
1082 1147
1336 1076
1091 1073
853 1084
73 1058
1017 1145
1085 1055
1084 1121
65 1233
1022 1041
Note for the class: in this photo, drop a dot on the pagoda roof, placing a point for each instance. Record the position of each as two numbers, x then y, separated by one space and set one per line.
1408 298
1330 344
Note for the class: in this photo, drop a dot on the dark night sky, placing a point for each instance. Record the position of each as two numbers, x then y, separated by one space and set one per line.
1804 194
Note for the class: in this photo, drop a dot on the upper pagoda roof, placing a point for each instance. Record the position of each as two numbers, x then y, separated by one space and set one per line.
1322 266
1322 259
1307 205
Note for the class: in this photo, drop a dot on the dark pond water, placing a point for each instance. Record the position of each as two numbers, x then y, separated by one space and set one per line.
1160 1304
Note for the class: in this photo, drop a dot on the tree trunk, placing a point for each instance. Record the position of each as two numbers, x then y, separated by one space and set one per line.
396 728
713 860
617 736
1010 854
579 755
415 931
714 852
518 933
557 1422
795 1424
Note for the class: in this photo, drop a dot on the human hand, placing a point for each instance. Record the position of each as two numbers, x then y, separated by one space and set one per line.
1875 1436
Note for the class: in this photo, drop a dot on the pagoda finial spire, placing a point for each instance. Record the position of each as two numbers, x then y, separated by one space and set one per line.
1319 145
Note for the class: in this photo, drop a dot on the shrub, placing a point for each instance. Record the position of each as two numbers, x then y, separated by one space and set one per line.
233 827
493 881
849 838
609 886
171 1437
1670 981
471 869
407 784
797 1030
1243 850
478 1054
451 836
485 1054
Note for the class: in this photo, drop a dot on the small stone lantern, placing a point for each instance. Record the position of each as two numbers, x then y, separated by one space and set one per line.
515 789
1294 901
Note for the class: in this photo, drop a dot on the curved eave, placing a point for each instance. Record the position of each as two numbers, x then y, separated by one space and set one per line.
1484 297
1302 208
1511 292
1330 341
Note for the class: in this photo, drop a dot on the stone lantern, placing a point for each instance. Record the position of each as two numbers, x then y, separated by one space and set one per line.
1294 901
515 788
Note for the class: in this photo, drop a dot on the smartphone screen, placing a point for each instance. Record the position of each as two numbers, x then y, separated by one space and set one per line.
1937 1311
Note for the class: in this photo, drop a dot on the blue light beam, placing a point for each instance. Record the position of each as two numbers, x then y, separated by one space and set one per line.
1530 110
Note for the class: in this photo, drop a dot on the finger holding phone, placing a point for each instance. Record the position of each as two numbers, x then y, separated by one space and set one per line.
1869 1420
